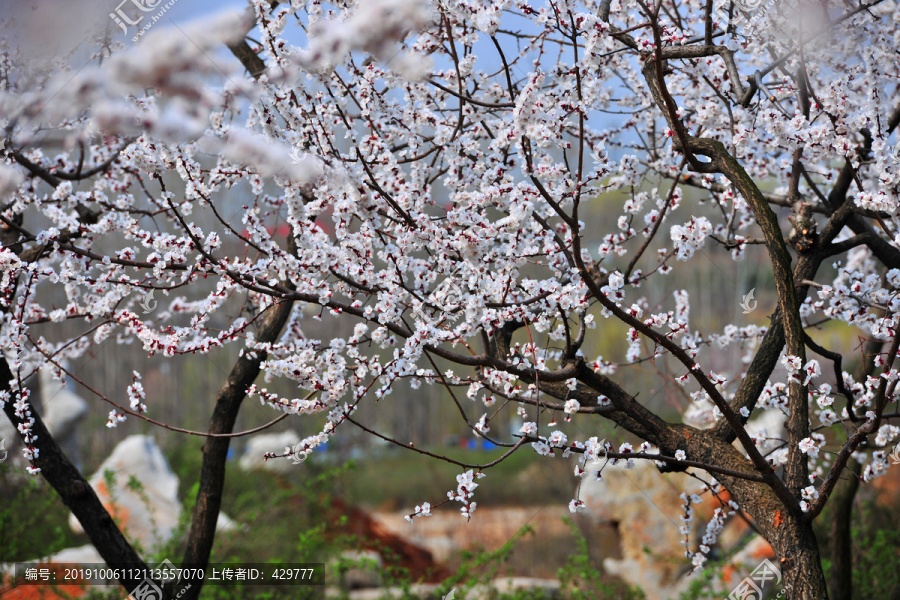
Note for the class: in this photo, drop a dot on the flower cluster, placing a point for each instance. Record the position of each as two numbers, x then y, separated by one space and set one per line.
435 194
465 490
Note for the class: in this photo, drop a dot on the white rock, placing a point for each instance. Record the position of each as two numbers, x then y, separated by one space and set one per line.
647 507
257 446
62 408
151 514
225 523
771 423
79 555
63 412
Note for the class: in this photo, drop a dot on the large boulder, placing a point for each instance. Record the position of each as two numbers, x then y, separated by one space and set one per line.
256 448
79 555
148 512
646 507
62 411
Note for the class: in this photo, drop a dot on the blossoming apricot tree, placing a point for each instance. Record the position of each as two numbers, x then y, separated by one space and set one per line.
436 162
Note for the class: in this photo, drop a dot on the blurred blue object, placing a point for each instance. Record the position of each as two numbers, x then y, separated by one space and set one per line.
473 444
487 445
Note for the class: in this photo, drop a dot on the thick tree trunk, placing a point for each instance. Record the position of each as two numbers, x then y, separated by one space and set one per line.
215 451
841 545
797 551
788 531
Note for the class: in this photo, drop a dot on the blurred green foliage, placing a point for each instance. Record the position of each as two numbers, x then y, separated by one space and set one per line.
33 520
